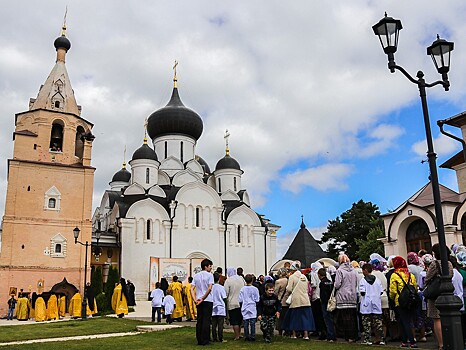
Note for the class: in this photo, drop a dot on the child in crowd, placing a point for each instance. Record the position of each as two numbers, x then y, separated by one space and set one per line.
156 301
371 291
268 311
248 297
326 287
218 311
168 306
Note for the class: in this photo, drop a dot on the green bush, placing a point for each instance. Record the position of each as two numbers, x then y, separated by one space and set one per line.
96 281
101 301
113 278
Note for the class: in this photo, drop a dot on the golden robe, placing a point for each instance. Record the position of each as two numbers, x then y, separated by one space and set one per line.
119 303
75 306
62 306
40 310
22 309
177 293
52 308
90 312
190 305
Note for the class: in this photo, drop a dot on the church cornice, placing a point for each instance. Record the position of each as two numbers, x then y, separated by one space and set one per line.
51 111
72 166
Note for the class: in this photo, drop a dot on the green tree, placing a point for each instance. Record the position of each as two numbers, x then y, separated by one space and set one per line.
355 223
96 280
113 278
370 245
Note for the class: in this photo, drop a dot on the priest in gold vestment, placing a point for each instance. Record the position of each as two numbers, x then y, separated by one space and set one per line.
119 299
177 292
189 302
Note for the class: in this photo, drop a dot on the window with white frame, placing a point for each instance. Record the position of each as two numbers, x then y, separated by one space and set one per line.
52 199
58 246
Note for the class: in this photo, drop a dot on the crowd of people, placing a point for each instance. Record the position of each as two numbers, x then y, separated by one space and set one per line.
373 301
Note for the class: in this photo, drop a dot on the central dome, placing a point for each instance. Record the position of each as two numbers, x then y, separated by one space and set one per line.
175 118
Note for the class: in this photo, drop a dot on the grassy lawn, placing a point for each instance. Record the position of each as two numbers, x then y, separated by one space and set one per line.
180 338
67 328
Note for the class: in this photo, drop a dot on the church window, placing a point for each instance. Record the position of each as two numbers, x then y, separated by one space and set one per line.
148 230
56 137
181 151
147 175
234 184
57 104
220 185
198 217
29 188
52 203
57 246
79 142
238 233
52 199
35 146
166 149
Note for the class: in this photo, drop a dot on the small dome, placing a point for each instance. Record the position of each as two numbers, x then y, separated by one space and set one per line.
204 164
144 152
62 42
122 175
227 162
175 118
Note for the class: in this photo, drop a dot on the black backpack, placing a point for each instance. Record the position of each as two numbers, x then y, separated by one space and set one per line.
408 298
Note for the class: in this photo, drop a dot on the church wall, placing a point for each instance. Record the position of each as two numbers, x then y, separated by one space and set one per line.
138 170
174 147
461 177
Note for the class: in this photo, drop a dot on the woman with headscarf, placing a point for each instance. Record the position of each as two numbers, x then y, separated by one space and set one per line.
316 305
164 285
119 299
280 292
233 285
434 270
346 294
398 280
415 268
378 269
299 315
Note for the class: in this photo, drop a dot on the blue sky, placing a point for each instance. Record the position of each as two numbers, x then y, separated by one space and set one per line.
317 121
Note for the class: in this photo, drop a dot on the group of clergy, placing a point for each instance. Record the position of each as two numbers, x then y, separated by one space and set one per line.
184 302
50 306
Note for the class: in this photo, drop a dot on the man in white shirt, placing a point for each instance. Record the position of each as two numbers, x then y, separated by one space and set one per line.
202 283
156 301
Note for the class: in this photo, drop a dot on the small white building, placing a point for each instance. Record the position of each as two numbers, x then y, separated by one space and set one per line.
171 205
412 226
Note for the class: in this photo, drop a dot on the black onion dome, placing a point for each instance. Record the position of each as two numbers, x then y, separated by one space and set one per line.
62 42
144 152
175 118
122 175
204 164
227 162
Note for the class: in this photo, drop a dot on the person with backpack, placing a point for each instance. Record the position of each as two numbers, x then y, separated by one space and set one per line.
403 291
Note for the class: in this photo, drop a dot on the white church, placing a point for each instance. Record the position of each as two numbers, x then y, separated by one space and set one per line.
172 208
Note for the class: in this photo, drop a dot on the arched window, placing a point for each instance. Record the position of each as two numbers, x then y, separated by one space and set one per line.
166 149
234 184
220 185
147 175
181 151
79 142
198 217
56 137
148 230
58 248
52 203
57 104
418 236
238 238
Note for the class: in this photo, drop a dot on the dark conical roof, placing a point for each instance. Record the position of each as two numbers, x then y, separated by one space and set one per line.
175 118
122 175
304 248
144 152
227 162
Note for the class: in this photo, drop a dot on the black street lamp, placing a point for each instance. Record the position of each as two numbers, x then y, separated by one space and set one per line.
387 29
76 232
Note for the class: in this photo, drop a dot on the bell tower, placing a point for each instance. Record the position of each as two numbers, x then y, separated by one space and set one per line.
50 185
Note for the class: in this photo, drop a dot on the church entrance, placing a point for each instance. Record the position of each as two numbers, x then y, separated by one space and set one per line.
418 237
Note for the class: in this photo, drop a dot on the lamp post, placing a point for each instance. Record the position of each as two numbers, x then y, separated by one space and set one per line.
76 232
387 29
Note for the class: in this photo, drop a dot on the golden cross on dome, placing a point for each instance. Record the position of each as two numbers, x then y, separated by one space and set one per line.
226 137
63 29
145 130
174 73
124 158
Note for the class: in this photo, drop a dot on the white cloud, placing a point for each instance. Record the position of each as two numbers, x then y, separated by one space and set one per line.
443 146
323 178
